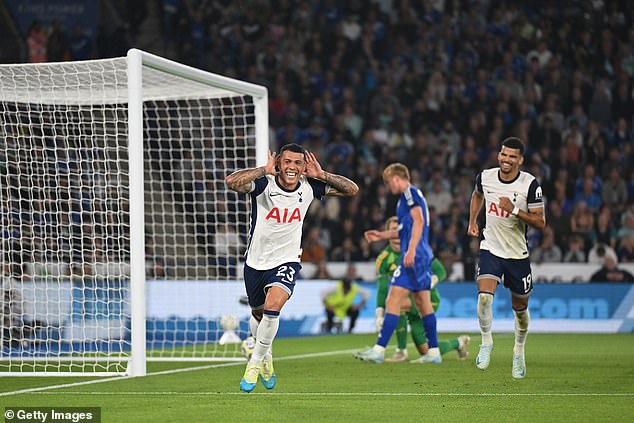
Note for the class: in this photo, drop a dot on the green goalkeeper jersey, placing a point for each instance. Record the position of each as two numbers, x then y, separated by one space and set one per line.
387 262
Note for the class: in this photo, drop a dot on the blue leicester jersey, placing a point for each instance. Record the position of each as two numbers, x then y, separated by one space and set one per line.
410 198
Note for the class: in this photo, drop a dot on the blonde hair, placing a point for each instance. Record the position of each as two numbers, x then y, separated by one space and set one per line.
389 221
396 169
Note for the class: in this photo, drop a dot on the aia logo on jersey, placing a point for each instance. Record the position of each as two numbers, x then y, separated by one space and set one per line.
284 216
498 211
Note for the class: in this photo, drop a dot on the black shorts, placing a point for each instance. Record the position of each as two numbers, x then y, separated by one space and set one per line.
516 273
257 282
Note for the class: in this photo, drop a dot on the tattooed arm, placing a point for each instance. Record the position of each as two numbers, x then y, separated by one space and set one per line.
240 180
339 185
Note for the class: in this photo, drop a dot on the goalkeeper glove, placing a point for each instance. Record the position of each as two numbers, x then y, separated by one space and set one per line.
434 281
380 314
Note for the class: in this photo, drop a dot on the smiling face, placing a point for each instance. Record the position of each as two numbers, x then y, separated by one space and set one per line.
291 166
510 161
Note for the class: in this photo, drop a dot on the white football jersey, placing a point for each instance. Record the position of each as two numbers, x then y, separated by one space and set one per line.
277 218
504 235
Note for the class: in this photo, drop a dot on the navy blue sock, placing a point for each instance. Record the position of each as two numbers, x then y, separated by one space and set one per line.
389 325
429 322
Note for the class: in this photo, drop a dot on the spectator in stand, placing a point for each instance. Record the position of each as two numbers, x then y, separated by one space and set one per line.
615 192
37 40
595 147
227 246
385 108
626 249
58 47
600 107
171 13
622 135
589 172
451 250
575 253
574 133
588 196
599 252
582 222
548 135
470 259
548 251
135 13
627 224
347 251
365 251
80 44
611 273
439 198
622 102
559 223
542 53
552 111
313 249
604 231
578 116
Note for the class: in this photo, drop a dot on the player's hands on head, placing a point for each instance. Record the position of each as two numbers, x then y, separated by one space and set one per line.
270 164
313 168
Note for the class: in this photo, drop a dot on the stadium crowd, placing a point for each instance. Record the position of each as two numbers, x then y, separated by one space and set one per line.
437 85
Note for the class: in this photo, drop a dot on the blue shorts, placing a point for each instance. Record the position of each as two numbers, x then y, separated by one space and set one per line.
257 282
516 273
415 278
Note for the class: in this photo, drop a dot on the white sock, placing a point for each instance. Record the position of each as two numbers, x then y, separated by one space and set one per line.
522 319
379 349
485 317
433 352
253 325
267 330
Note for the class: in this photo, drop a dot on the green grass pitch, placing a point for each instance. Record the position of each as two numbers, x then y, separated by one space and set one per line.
570 378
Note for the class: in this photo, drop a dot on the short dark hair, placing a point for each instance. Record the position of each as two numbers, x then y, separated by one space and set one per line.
514 143
295 148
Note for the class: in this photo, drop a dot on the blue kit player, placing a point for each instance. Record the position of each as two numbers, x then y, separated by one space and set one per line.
414 272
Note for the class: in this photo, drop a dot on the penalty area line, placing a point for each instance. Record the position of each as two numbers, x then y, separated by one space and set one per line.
40 389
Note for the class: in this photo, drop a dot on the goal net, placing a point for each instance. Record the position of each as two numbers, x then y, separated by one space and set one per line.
120 241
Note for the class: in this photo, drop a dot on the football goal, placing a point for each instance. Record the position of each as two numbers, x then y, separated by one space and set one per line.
120 241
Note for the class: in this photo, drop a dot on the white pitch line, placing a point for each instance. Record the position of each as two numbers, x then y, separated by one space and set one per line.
167 372
356 394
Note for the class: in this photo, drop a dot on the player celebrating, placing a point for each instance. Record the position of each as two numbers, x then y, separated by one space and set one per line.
513 200
386 264
281 193
413 273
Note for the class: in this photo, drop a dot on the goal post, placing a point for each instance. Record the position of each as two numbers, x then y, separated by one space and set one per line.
122 243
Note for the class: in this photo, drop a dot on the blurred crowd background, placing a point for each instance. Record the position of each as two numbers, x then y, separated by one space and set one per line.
434 84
